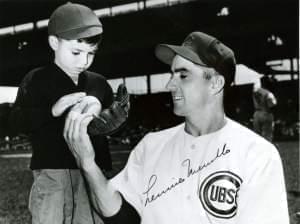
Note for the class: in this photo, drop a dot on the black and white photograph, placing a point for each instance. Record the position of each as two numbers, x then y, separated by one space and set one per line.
149 112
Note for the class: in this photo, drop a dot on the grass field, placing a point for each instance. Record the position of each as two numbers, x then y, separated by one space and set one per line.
16 179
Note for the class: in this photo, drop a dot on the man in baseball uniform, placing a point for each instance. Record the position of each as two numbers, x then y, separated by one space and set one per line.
210 169
263 119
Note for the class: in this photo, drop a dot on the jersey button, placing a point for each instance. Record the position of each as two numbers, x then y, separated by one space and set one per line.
188 197
193 146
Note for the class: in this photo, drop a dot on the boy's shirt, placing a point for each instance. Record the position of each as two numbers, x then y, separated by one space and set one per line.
31 113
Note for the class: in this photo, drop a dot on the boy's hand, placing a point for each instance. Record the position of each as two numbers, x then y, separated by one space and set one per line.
78 102
89 105
66 102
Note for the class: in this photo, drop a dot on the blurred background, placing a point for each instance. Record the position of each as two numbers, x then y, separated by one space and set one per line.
263 34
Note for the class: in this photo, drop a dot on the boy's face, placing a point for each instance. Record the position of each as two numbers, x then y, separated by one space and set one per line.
74 57
189 88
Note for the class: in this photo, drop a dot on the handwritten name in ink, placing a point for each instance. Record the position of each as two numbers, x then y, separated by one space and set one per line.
153 180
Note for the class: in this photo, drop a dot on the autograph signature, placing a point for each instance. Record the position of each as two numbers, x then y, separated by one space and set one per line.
151 197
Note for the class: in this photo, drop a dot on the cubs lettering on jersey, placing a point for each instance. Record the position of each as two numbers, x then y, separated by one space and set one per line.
218 194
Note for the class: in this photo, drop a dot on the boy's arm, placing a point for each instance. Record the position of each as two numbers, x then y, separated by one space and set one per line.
27 120
77 102
29 112
96 85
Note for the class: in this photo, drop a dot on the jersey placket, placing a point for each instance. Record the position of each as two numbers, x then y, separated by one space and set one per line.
190 200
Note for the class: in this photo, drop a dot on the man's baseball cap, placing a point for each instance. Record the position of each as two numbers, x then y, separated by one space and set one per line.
74 21
204 50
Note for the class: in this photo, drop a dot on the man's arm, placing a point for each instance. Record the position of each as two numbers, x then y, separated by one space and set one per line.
115 209
106 200
271 100
75 134
262 197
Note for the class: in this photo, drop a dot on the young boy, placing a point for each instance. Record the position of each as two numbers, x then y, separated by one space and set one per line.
58 193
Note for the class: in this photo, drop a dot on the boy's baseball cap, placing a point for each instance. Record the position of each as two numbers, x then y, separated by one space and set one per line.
74 21
204 50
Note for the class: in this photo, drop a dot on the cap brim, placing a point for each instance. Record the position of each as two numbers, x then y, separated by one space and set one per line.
166 53
75 34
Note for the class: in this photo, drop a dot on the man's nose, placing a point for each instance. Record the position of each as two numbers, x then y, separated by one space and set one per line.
171 85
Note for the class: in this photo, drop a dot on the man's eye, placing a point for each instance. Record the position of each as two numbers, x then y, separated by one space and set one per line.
75 53
179 74
183 76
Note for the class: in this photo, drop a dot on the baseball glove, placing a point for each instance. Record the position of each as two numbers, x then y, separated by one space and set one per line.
110 120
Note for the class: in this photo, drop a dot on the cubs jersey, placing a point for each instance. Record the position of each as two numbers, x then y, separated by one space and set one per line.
231 176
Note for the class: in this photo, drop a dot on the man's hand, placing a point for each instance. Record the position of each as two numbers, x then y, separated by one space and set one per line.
75 134
106 200
66 102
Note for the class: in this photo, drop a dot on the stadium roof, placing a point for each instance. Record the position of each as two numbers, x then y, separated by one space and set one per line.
256 30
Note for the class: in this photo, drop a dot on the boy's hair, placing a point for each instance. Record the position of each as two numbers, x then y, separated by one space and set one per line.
93 40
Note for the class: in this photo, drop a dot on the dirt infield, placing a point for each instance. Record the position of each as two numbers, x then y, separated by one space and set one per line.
16 179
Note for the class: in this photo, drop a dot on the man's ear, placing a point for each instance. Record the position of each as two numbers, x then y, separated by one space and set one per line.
218 83
53 42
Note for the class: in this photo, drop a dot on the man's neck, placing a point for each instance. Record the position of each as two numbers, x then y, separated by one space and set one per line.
205 124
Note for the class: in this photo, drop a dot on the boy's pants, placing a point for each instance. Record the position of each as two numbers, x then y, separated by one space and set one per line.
60 197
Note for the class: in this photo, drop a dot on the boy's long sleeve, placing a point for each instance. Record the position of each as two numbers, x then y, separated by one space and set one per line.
30 111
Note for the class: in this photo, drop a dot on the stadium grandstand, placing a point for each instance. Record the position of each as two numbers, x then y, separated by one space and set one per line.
263 34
